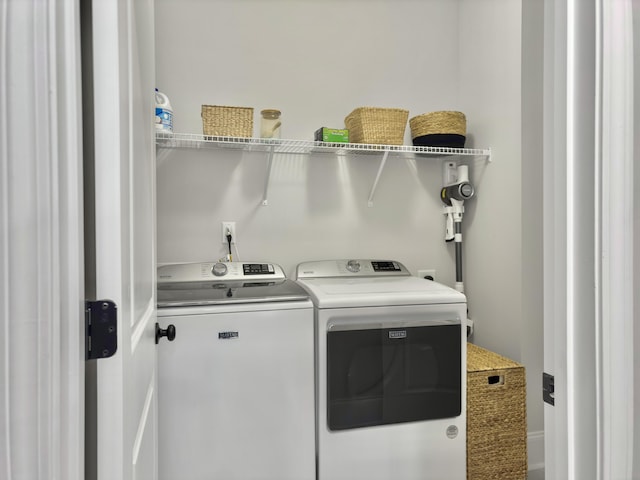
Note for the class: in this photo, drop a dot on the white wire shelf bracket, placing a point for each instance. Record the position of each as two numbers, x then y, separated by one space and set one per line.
281 146
375 182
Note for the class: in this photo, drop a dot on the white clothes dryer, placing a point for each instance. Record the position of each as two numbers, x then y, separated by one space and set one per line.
390 372
236 386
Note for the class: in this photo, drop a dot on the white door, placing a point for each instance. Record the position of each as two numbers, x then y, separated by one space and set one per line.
122 73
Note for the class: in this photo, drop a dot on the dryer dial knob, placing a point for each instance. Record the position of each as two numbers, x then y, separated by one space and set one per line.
219 269
353 266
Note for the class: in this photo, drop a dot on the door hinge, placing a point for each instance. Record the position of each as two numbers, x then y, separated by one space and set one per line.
548 388
101 322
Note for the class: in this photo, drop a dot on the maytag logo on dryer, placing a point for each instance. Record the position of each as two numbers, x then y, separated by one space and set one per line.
228 335
397 334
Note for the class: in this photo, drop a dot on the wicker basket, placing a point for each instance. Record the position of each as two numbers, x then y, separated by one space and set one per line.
496 417
220 121
439 129
380 126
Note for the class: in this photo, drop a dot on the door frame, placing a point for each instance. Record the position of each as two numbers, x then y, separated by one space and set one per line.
588 239
41 242
615 189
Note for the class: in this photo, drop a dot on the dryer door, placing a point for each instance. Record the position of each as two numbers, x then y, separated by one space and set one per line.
392 370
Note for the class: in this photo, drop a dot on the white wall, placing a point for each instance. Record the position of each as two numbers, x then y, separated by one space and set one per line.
636 236
491 91
313 59
532 344
324 59
501 89
316 60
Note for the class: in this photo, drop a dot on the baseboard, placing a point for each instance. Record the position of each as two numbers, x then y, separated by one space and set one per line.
535 450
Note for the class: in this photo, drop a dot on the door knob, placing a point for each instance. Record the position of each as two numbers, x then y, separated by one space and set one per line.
170 333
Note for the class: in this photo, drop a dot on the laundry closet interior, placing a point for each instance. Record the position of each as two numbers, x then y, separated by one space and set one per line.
316 61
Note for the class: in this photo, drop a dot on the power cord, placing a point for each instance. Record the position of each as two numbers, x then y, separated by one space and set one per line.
229 243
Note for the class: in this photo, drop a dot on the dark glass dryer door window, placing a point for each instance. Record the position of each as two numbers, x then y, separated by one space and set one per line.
393 375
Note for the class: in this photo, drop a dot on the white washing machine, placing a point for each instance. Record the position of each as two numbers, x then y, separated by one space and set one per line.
236 385
390 372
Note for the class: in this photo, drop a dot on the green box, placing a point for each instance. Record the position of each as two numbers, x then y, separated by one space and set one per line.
332 135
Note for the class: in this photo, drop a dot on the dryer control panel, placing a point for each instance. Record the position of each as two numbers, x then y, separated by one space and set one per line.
351 268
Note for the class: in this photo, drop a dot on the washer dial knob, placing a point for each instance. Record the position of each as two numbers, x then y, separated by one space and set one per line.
353 266
219 269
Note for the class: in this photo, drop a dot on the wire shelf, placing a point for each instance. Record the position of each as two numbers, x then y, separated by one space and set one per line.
297 147
280 146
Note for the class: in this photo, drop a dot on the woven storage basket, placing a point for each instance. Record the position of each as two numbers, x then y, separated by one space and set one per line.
439 129
380 126
496 417
221 121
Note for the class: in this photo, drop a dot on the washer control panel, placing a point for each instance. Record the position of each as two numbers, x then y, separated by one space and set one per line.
351 268
197 272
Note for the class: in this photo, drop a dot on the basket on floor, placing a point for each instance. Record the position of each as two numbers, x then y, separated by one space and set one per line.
223 121
380 126
496 417
439 129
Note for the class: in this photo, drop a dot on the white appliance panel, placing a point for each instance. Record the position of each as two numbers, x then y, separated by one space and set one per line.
381 291
240 407
430 449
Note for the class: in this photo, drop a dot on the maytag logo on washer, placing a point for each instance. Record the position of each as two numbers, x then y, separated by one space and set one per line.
397 334
452 431
227 335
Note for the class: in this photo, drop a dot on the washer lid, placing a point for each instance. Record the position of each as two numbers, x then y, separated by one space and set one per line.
369 292
221 293
192 284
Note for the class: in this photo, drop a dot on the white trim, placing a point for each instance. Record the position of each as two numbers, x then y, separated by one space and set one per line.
41 242
5 281
535 450
616 288
66 115
589 432
598 207
571 220
554 226
570 238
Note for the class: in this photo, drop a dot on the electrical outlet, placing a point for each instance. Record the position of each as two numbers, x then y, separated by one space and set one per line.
469 327
229 227
428 274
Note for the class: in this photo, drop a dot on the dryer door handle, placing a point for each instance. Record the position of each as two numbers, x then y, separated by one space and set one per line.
169 332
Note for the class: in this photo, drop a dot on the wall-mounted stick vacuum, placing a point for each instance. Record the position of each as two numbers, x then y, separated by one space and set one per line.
457 189
453 196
